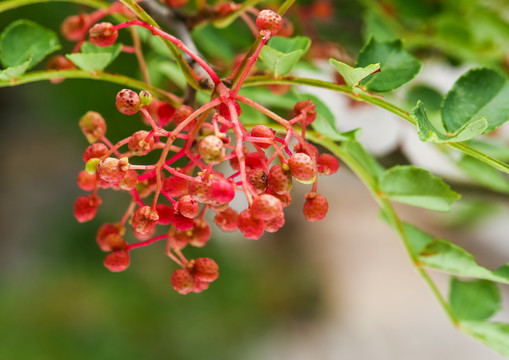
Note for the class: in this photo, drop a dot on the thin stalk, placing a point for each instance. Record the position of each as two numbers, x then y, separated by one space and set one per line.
186 69
82 74
13 4
389 211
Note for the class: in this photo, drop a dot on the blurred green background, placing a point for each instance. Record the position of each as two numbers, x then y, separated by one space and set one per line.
57 301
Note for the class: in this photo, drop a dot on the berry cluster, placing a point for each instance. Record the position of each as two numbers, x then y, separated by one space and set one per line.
206 156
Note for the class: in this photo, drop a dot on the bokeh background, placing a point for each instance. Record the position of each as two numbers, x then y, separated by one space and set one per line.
342 288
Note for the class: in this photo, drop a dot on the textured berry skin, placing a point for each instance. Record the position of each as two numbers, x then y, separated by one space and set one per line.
269 20
138 145
199 190
85 207
222 191
285 198
96 150
263 131
182 281
327 164
188 207
275 224
200 233
130 181
93 126
117 261
258 180
309 114
103 233
266 207
212 149
302 168
205 269
103 34
144 220
112 169
73 26
227 220
175 186
280 180
181 114
114 242
249 226
127 102
315 207
87 181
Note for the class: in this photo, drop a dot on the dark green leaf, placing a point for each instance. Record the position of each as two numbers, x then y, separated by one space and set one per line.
418 187
428 95
480 93
15 71
24 39
474 300
397 66
282 54
353 76
378 27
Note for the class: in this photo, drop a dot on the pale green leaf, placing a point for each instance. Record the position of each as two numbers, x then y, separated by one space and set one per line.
15 71
417 187
353 76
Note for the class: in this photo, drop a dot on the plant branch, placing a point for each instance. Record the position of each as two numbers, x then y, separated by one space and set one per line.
265 80
81 74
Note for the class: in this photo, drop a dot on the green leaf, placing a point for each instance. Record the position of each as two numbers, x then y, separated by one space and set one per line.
282 54
114 50
474 300
377 26
90 62
397 66
23 40
95 58
418 187
353 76
445 256
484 174
493 334
427 132
365 159
325 122
480 93
428 95
15 71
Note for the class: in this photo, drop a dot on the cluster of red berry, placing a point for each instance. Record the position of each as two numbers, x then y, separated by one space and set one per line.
260 164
